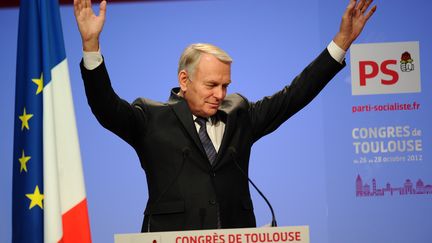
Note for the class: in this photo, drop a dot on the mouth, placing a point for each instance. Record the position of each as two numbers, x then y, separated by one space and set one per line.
214 105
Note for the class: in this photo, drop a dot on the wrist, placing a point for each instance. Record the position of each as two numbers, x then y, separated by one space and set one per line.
342 41
91 45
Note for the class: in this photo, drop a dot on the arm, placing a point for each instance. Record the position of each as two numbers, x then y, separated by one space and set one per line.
110 110
269 113
115 114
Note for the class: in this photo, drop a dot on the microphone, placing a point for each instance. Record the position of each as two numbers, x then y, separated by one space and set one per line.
233 153
185 153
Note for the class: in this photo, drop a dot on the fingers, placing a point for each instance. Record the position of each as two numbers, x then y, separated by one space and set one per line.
350 8
76 7
87 4
371 12
360 5
366 6
80 5
351 5
102 8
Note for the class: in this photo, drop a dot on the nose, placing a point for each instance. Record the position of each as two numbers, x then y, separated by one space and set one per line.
219 92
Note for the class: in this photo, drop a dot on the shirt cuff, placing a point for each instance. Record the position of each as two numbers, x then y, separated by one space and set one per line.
92 59
336 52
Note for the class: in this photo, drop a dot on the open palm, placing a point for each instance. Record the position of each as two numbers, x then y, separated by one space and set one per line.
89 24
353 22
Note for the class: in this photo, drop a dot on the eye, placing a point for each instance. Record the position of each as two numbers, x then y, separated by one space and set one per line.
211 85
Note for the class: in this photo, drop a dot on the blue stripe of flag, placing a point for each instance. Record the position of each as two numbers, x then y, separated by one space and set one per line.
40 48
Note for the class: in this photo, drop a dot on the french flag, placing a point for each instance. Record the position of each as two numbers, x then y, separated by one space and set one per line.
49 200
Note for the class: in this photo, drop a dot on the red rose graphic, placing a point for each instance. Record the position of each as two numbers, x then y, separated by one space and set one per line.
406 63
406 56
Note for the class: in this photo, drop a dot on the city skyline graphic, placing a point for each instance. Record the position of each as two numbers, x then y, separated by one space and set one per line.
408 188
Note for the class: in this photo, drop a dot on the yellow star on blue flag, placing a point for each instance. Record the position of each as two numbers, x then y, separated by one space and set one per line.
39 83
35 198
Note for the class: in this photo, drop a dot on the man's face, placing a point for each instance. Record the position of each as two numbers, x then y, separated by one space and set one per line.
205 91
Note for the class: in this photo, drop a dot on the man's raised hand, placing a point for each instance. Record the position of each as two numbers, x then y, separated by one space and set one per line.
353 22
89 24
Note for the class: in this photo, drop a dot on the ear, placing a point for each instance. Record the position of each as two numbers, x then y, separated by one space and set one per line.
183 79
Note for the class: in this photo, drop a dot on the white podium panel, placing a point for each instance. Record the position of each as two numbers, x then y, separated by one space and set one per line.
298 234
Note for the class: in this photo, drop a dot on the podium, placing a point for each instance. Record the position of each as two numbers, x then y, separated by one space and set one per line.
298 234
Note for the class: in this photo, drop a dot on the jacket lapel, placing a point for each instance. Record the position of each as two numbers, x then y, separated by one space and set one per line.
226 111
230 122
182 111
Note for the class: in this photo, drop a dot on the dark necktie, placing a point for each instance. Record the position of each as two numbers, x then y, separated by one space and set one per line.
205 140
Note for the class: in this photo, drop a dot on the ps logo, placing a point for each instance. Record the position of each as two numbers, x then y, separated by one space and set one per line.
385 68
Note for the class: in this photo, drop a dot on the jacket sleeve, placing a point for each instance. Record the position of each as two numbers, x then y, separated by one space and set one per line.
270 112
112 112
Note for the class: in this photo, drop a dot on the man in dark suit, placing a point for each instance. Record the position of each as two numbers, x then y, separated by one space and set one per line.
195 148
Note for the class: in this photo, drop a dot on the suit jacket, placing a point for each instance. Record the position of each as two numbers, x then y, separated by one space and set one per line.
185 191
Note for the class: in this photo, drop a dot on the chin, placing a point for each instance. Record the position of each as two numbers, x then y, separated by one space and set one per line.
210 112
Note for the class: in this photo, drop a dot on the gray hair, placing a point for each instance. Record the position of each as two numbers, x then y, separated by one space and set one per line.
192 54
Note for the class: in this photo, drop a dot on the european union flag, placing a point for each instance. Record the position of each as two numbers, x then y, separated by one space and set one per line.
46 206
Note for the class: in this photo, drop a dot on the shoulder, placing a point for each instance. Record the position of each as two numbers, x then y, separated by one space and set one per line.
145 104
234 102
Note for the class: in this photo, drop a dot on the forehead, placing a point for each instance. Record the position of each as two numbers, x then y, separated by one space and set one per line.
209 65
